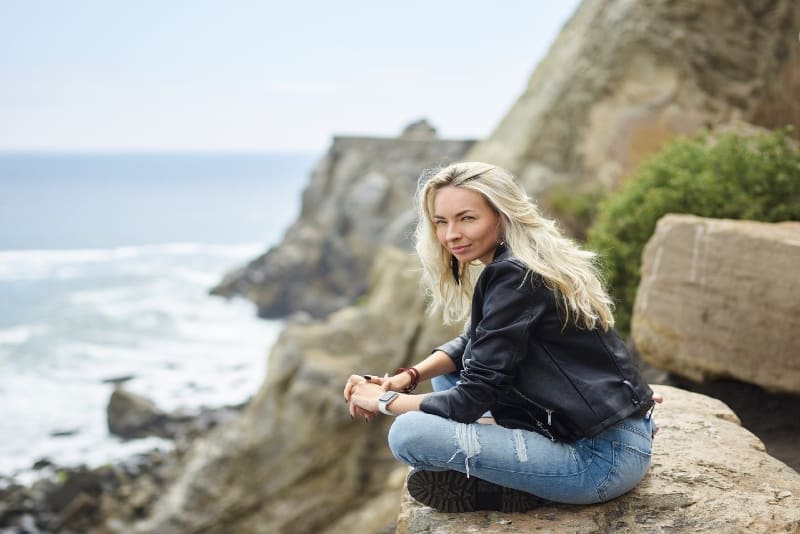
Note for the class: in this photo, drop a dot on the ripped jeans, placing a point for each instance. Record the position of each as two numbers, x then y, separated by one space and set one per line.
587 471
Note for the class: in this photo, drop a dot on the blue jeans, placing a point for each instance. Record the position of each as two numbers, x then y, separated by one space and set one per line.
587 471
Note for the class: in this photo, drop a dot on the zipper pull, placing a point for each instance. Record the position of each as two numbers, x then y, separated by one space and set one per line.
549 417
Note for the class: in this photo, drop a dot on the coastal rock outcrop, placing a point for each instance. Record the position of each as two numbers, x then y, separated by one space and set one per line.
132 416
708 474
359 199
295 461
719 299
623 78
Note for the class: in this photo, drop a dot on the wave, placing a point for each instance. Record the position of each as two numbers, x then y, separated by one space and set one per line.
17 335
67 263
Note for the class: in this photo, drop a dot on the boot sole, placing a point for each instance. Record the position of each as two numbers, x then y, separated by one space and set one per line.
452 491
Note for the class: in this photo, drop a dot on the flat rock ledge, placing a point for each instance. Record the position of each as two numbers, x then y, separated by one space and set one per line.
709 474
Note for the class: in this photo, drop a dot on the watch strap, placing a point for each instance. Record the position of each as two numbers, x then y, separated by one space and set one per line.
384 401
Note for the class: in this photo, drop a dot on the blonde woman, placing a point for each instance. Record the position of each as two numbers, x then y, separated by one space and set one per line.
539 398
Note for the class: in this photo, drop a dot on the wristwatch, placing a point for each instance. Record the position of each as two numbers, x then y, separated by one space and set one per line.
385 400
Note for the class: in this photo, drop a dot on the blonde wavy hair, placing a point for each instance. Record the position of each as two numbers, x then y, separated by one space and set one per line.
570 272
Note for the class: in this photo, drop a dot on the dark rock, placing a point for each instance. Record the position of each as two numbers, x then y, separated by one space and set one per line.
42 463
132 416
117 380
64 433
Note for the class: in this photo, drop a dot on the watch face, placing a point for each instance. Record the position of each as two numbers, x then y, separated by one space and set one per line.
389 395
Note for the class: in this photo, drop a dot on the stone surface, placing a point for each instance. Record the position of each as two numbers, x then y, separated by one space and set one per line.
708 475
130 415
360 197
721 299
623 78
295 461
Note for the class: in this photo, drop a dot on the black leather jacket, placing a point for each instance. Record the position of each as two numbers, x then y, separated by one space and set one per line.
518 360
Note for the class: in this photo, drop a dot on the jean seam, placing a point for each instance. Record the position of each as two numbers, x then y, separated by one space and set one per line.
634 430
601 487
644 454
557 475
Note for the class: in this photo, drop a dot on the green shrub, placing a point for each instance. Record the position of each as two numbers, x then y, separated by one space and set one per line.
730 177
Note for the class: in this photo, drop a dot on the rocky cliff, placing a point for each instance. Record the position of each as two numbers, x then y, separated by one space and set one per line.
624 77
358 199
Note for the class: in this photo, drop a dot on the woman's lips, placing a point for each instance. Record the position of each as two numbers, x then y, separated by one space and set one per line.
459 250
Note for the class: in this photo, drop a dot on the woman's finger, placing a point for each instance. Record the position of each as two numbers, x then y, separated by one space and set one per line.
351 382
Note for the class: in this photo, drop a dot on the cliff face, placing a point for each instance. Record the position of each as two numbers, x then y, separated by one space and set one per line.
358 199
623 77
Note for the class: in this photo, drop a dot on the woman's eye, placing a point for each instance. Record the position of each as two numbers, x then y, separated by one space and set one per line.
438 222
467 218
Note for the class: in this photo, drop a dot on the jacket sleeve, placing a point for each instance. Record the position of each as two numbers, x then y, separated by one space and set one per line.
509 309
455 349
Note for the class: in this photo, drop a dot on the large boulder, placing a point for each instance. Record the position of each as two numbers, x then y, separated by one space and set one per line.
360 198
623 78
719 299
708 475
295 461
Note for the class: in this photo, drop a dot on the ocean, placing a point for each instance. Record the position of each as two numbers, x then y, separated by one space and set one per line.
105 265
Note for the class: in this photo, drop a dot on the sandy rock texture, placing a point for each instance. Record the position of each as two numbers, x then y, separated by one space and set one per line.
359 198
708 475
721 299
624 77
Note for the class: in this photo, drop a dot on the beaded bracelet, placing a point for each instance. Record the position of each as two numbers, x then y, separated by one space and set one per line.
414 378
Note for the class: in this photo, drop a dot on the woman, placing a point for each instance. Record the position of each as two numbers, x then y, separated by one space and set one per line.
538 399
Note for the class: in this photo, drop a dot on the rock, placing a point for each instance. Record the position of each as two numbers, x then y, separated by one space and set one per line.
131 416
623 78
295 461
420 130
356 195
719 299
708 474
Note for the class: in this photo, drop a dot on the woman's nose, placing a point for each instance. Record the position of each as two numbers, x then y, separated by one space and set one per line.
452 233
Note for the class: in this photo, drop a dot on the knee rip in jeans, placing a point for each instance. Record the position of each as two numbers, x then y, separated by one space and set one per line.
467 443
520 447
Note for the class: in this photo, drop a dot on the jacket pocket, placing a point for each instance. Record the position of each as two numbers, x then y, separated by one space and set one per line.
547 421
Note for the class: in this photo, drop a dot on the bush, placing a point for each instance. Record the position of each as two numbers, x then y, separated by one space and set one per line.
730 177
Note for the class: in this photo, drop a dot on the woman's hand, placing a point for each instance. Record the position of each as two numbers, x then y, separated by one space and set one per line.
364 400
359 392
658 398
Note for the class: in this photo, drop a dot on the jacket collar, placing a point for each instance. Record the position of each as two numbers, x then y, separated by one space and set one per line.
501 252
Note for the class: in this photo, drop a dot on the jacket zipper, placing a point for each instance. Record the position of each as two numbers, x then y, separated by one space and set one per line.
549 411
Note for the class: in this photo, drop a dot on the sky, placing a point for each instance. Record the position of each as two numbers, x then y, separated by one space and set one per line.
260 76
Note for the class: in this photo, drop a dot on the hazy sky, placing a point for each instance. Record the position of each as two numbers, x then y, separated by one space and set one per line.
260 75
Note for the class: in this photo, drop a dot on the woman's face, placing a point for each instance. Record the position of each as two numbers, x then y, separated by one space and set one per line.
466 224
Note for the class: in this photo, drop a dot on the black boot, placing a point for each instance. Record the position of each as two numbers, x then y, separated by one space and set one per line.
452 491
